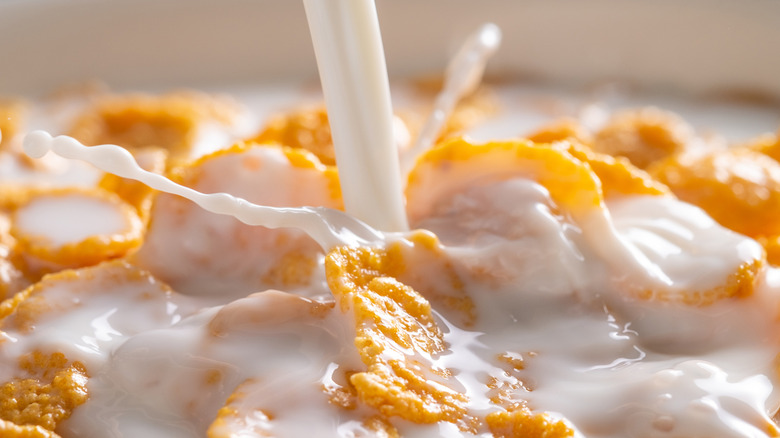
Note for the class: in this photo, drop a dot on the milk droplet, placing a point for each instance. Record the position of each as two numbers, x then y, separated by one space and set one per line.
36 144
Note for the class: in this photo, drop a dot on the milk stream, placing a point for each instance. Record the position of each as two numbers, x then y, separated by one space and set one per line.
350 57
462 76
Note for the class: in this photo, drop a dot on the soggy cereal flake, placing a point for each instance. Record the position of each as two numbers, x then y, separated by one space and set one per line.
75 298
68 228
380 428
230 422
739 188
522 423
704 261
421 262
396 339
567 128
198 252
11 118
768 144
643 135
305 128
772 247
134 121
13 430
12 278
617 175
456 164
47 394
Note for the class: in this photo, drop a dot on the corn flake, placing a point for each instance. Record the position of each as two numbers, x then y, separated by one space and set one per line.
456 164
396 336
643 135
66 243
307 129
52 388
522 423
13 430
135 121
739 188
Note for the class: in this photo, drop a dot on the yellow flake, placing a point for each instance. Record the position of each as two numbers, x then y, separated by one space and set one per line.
617 175
396 337
230 422
81 252
47 395
643 135
522 423
134 121
572 183
738 187
568 129
306 128
13 430
739 284
11 114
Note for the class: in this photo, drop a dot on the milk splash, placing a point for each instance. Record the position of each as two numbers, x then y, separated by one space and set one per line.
328 227
463 75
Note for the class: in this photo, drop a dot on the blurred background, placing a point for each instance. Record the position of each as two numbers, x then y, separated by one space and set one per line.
697 45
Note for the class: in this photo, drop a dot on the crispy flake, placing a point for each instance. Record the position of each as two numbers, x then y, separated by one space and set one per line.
643 135
306 128
134 121
396 336
231 422
52 388
13 430
80 252
739 188
457 164
522 423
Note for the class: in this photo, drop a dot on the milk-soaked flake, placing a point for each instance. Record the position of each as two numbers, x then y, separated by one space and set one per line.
70 228
201 253
272 356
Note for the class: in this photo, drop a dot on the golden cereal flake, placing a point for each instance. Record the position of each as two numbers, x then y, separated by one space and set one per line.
457 164
11 119
13 430
305 128
419 261
772 247
617 175
738 187
12 278
522 423
49 392
381 428
643 135
61 292
65 243
567 128
395 337
739 284
768 144
231 422
168 121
